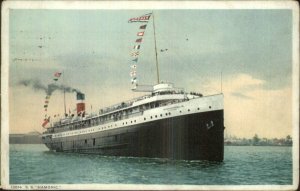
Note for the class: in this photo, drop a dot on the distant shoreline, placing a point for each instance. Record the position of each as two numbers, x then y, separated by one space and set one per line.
14 143
35 138
259 145
30 138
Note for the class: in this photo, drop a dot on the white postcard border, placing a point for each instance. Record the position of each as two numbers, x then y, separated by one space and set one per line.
89 5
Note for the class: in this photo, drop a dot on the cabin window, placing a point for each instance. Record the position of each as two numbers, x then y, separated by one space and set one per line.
85 141
188 110
155 116
145 119
161 115
209 107
198 108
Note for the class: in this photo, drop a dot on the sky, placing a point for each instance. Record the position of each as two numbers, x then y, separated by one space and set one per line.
251 48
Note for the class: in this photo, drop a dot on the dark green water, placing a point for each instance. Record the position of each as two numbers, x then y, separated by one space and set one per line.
243 165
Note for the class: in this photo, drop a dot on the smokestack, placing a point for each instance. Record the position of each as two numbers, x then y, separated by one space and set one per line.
80 104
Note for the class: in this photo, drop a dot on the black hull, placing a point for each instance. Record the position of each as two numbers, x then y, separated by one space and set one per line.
198 136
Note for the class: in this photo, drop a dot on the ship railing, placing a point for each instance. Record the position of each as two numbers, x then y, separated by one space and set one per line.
122 104
114 108
99 120
49 130
94 122
130 102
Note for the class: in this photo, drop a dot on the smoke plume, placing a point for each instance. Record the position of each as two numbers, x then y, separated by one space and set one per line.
36 85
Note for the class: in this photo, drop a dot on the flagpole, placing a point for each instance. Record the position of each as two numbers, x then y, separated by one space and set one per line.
157 71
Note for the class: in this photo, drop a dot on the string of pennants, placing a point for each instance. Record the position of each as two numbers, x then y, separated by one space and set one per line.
47 98
137 46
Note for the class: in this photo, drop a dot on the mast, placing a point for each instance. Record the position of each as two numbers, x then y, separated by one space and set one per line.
157 71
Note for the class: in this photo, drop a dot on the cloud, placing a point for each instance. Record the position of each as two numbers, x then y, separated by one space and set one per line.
268 114
251 109
241 95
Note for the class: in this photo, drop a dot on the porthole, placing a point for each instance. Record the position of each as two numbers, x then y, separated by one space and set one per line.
155 116
151 117
166 114
134 120
198 108
169 113
188 110
209 107
180 111
130 121
145 118
161 115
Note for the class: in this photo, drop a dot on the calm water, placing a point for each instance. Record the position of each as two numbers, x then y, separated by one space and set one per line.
33 164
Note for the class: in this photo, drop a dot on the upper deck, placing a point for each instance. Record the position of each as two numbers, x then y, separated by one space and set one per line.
161 96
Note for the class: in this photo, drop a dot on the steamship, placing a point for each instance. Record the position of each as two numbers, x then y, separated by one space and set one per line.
168 122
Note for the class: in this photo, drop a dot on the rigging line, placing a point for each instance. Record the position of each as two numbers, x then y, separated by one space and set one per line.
64 92
221 82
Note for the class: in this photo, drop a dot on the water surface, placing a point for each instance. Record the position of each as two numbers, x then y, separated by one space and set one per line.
243 165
